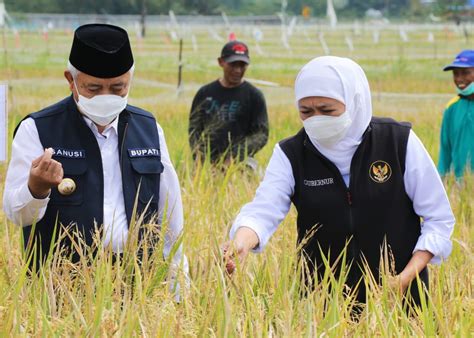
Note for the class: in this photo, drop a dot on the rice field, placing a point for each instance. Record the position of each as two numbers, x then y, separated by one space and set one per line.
262 299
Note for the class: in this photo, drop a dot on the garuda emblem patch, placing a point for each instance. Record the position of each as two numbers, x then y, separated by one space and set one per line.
380 171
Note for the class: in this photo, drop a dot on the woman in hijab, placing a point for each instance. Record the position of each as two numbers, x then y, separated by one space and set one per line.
359 183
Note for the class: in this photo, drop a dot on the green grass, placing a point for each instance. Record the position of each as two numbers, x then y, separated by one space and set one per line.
262 298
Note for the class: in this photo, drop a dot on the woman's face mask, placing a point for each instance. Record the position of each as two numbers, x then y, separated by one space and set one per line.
325 119
101 109
327 130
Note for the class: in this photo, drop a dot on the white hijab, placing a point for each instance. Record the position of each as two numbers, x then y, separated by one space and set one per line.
344 80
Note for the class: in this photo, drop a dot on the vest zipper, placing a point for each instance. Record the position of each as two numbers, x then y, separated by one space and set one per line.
122 144
352 247
352 243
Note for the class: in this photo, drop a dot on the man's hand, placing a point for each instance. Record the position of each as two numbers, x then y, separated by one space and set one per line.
45 173
245 239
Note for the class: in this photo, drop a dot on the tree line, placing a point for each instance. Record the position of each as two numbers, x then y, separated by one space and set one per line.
348 8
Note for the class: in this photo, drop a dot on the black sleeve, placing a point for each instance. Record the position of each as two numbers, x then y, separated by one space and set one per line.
196 122
257 135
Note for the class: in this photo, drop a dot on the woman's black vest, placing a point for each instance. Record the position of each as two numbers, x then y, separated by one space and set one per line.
374 210
63 128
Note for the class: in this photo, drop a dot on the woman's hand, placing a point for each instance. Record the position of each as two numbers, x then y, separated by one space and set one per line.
245 239
398 283
417 263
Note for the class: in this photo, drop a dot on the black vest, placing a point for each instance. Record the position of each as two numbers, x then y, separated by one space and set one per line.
375 208
63 128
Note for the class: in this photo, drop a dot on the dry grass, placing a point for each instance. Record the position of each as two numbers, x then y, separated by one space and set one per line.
262 299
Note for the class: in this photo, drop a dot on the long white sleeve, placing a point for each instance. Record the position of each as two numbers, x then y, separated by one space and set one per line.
425 188
422 184
18 203
170 198
271 202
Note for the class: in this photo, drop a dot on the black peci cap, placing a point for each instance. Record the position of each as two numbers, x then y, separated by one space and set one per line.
101 50
235 51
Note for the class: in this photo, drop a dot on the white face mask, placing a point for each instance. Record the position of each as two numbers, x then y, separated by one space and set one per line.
327 130
101 109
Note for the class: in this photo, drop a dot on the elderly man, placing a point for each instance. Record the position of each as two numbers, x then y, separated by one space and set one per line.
457 130
229 116
91 162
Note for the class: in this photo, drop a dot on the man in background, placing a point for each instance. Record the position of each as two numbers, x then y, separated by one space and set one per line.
457 129
228 118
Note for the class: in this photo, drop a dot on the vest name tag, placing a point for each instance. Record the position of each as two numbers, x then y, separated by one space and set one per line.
69 153
144 152
317 183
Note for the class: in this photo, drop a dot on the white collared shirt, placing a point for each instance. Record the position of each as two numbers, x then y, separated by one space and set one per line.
422 185
23 209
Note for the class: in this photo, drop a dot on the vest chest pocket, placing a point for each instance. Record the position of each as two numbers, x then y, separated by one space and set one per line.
147 172
74 169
